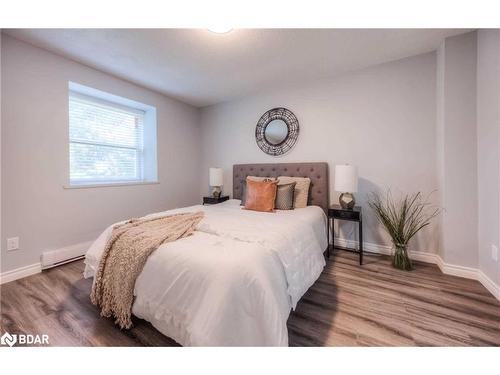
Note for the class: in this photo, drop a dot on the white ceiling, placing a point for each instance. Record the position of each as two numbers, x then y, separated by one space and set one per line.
203 68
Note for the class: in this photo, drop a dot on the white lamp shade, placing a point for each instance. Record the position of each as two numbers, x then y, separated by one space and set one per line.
216 177
346 178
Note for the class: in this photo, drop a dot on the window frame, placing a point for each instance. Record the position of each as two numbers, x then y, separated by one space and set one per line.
147 173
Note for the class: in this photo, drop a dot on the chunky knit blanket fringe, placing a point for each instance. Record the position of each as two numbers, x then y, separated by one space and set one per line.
125 255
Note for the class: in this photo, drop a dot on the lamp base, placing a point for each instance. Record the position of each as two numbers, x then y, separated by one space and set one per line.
216 192
347 201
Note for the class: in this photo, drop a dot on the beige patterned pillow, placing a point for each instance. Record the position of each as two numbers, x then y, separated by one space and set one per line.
301 189
255 178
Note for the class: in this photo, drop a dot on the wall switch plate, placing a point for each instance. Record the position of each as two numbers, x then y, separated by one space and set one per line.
12 243
494 253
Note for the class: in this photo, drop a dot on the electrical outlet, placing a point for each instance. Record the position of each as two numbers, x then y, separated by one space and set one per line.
494 253
12 243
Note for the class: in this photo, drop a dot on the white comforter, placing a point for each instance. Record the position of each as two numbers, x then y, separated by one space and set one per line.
234 281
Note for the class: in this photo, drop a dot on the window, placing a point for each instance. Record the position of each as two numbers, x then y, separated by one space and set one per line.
109 142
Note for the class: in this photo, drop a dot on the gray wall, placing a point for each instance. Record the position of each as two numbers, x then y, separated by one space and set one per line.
457 149
409 125
381 119
35 158
1 238
488 146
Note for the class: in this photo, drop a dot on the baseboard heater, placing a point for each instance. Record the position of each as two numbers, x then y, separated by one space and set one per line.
64 255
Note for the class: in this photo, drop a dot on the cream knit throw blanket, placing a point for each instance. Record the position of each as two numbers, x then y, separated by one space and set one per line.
125 255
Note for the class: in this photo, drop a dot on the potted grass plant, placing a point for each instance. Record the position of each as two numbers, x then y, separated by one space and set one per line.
402 218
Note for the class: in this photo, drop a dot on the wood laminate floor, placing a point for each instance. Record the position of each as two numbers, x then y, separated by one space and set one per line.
349 305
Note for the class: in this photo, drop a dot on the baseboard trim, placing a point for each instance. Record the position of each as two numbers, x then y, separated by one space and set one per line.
74 251
421 256
19 273
489 284
454 270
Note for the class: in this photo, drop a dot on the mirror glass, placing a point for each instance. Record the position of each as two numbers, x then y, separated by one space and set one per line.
276 132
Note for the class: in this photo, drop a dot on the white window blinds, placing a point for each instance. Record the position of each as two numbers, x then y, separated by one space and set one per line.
106 141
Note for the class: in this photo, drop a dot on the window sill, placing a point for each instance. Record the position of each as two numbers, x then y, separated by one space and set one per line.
110 184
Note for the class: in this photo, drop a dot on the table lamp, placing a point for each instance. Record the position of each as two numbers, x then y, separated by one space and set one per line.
216 181
346 182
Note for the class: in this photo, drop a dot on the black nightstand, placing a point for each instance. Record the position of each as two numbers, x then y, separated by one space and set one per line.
212 200
337 212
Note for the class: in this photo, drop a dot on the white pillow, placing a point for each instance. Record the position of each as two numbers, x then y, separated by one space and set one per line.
301 189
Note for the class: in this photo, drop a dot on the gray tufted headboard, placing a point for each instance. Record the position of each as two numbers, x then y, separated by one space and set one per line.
317 172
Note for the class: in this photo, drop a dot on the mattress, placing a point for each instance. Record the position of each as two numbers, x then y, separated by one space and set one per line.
234 281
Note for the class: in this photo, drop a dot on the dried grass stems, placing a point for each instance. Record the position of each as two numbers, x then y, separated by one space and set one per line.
403 218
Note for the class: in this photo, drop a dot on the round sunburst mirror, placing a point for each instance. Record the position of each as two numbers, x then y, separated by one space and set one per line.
277 131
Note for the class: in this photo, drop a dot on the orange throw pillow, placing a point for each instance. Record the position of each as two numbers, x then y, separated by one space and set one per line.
261 195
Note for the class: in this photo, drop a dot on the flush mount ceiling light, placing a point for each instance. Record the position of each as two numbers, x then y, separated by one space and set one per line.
220 29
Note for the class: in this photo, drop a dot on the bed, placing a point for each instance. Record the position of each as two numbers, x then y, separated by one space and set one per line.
235 280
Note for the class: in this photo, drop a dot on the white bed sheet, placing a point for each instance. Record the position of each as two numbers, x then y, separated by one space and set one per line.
234 281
